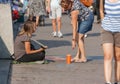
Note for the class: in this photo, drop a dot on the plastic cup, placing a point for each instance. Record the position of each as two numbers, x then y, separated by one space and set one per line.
68 59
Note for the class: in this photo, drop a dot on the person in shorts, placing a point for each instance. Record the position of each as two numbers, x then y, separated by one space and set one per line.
82 21
55 13
110 35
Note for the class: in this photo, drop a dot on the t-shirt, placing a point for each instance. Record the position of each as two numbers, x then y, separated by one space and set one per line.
19 46
84 11
111 21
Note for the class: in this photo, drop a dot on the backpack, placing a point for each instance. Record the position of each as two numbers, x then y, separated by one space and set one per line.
87 3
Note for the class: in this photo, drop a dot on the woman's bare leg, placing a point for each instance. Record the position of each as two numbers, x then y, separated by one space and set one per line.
77 57
108 55
82 48
117 64
37 20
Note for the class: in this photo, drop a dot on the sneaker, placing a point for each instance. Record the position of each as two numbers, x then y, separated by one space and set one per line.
54 34
60 34
85 35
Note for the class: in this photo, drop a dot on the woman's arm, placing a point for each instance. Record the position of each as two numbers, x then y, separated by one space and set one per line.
74 16
28 48
101 9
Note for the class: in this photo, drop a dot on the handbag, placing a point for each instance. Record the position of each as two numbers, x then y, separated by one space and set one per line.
87 3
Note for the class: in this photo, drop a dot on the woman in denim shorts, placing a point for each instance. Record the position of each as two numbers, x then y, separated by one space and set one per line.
110 16
82 20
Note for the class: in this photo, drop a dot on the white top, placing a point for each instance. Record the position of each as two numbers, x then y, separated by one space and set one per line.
55 3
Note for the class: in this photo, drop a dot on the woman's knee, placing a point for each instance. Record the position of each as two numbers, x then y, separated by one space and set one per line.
117 56
117 53
108 57
81 36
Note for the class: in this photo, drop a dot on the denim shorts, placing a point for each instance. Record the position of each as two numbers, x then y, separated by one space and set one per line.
86 25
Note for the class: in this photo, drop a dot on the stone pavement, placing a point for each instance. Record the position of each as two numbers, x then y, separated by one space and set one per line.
58 72
5 65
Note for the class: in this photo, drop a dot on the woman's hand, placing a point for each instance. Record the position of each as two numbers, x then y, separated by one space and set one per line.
73 43
41 49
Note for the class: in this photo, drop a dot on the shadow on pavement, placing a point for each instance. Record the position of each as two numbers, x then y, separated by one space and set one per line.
95 57
93 34
53 43
48 24
68 34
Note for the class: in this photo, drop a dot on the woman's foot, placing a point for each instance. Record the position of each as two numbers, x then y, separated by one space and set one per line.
81 60
74 59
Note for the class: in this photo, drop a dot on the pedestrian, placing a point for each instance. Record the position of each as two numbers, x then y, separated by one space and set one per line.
23 48
110 35
98 11
55 13
82 20
36 9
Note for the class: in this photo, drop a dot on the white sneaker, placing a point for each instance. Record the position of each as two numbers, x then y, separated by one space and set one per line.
54 34
85 35
60 34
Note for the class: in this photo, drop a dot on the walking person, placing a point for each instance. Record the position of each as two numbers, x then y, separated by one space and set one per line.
24 50
36 8
98 11
110 16
82 20
55 13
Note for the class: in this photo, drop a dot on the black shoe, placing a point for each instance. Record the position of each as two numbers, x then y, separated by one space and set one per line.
115 83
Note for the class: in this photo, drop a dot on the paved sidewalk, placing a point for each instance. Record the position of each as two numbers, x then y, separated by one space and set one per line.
58 72
5 65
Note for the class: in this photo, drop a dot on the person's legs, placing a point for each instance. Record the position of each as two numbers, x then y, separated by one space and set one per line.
52 15
108 42
54 27
59 23
108 54
82 48
40 56
97 10
37 20
117 57
59 15
59 27
77 57
117 64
